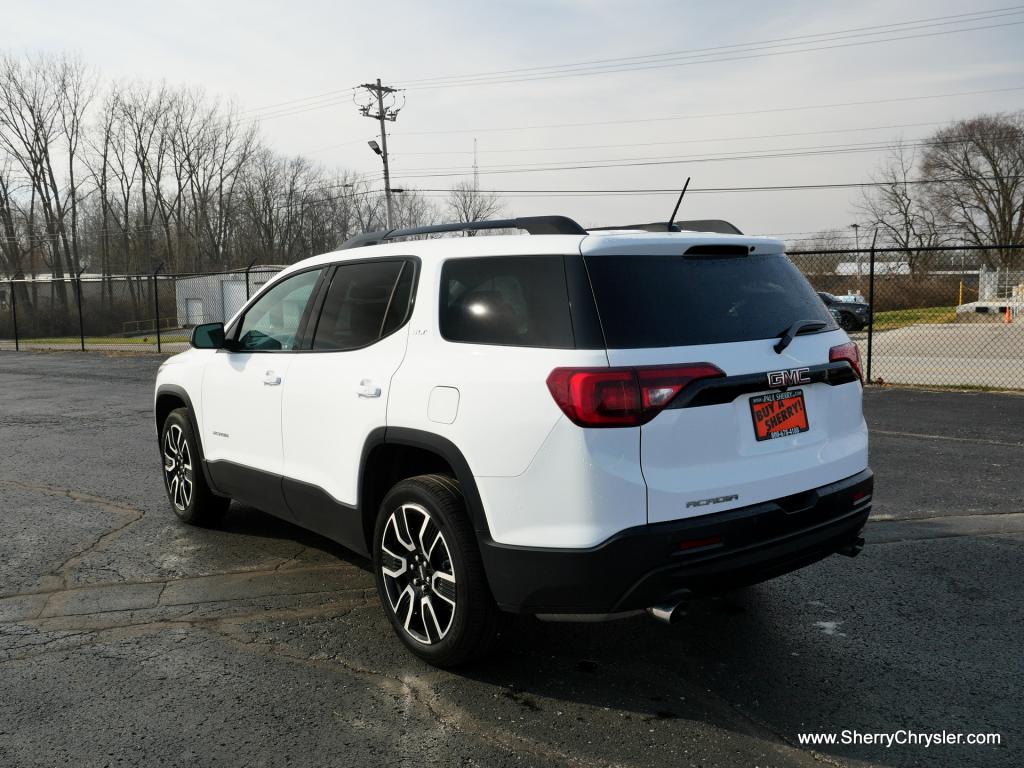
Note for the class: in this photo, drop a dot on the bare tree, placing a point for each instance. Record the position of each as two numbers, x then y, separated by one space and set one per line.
33 114
121 179
11 248
467 203
75 87
831 240
896 209
978 170
413 209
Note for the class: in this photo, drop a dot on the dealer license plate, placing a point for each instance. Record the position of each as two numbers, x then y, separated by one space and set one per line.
779 414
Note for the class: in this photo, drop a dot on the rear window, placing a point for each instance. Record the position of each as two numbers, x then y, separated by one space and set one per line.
669 301
508 300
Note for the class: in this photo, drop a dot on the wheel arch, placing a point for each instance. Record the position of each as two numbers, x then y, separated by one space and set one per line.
170 397
392 454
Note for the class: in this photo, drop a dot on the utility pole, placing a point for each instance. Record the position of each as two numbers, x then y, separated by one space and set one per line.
476 170
383 114
860 271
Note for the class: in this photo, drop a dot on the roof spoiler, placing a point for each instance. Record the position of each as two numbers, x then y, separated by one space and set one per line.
696 225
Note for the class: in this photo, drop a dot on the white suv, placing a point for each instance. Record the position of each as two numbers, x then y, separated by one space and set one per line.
569 424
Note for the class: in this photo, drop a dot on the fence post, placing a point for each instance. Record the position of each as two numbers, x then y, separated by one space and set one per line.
81 323
871 301
14 315
248 269
156 305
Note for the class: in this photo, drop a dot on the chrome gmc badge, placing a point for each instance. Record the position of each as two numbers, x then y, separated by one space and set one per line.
790 377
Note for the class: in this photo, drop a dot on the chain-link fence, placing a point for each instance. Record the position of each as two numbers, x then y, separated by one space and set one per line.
939 316
154 312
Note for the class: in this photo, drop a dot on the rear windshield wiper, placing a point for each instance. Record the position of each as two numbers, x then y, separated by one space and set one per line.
800 326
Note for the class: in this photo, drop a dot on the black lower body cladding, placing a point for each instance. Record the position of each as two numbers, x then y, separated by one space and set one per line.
706 554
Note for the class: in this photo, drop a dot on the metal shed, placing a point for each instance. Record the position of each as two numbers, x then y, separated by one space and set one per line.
215 297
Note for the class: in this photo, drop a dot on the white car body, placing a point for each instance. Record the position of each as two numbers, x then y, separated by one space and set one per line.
311 421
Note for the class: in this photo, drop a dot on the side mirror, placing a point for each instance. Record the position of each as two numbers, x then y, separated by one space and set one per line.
208 336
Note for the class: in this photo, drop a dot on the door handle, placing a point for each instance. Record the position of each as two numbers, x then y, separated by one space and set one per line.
271 379
366 388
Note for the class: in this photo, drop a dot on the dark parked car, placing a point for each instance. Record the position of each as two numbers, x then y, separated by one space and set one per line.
851 315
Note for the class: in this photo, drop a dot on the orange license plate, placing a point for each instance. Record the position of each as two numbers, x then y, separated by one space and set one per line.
779 414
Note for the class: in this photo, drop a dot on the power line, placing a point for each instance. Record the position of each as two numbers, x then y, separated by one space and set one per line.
716 190
331 98
713 115
436 192
571 148
624 59
649 162
344 92
721 59
613 162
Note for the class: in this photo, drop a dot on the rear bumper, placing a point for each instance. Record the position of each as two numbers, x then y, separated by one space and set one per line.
645 565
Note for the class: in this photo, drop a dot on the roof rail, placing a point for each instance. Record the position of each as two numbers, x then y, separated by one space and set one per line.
697 225
535 225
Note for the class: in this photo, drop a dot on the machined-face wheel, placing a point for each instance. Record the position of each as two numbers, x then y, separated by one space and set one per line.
418 575
178 471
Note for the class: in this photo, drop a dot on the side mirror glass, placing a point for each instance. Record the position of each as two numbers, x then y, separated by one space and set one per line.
208 336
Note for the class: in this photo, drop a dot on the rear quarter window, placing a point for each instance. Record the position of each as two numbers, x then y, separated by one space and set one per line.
506 300
670 301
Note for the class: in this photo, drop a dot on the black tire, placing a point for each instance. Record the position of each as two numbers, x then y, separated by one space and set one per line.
413 591
190 497
848 322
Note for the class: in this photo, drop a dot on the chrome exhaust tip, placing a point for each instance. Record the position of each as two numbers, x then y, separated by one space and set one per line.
669 613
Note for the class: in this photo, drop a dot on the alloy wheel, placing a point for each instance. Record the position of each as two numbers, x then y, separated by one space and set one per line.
178 468
419 577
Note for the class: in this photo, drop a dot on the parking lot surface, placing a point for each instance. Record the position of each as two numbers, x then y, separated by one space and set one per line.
127 638
948 354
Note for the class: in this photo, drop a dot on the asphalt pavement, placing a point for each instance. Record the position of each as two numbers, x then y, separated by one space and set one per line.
989 355
127 638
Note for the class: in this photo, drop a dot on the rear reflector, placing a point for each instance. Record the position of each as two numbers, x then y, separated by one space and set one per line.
850 353
861 497
622 397
699 543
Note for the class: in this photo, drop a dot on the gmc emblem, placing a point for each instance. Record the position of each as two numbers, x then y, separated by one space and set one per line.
790 377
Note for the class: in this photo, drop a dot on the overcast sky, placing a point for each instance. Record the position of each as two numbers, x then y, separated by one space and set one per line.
262 54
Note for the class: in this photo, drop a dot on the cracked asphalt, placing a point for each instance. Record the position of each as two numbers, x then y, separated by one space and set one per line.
127 638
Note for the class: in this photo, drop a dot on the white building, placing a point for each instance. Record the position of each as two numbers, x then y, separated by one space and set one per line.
216 297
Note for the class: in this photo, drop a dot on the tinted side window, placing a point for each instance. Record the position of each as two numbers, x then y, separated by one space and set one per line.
356 302
509 300
398 311
272 323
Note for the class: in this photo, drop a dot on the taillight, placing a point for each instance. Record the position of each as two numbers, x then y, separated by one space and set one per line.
849 352
622 397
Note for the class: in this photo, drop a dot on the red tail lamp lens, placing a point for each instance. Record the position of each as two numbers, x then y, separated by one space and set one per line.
622 397
849 352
